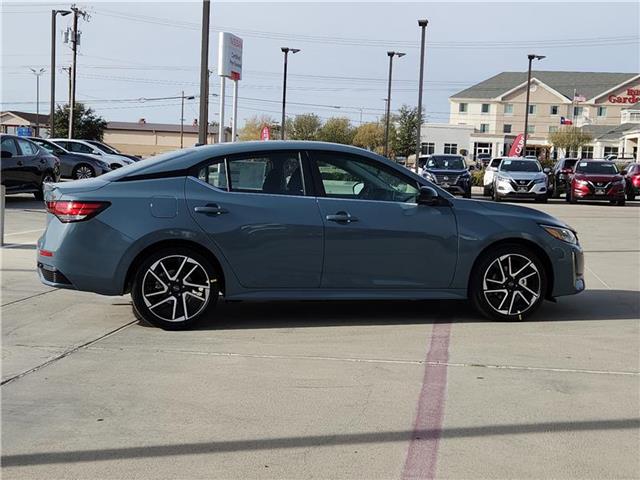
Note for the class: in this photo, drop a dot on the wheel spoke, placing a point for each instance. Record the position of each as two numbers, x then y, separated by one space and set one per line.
533 294
525 266
513 297
164 285
175 277
184 279
162 302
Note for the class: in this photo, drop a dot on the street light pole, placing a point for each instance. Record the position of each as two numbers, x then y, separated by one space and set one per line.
286 51
388 112
52 106
531 57
203 123
423 26
37 73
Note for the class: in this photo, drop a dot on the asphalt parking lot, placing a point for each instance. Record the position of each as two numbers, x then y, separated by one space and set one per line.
326 390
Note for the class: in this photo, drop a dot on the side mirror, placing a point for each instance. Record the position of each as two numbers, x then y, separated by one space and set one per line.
623 172
6 154
546 170
428 196
471 168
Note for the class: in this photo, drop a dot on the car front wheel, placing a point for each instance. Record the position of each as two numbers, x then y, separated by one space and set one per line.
174 288
508 283
83 171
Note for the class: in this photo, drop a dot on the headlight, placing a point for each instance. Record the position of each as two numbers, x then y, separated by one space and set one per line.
540 180
584 183
503 179
564 234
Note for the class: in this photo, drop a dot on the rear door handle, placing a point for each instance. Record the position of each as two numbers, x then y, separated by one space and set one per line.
341 217
211 209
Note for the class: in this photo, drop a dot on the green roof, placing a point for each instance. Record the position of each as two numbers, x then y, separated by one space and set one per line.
587 84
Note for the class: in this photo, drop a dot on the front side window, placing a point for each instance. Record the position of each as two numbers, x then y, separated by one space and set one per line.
27 147
215 174
79 147
351 177
462 107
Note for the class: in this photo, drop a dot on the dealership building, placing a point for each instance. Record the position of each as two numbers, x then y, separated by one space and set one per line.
487 117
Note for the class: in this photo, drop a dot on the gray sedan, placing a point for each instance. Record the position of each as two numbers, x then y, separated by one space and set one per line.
73 165
299 221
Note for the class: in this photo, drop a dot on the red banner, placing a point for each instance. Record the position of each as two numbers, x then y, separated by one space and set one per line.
516 147
265 134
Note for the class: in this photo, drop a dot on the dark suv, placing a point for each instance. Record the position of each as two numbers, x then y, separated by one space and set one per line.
449 172
560 177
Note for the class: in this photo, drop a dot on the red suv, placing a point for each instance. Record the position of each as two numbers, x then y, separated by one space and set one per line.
633 180
597 180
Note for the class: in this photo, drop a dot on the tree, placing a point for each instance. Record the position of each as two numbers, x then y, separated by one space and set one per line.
370 136
337 130
303 127
570 139
253 127
86 124
404 141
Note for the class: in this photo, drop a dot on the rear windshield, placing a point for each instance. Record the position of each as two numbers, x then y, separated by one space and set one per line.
570 163
138 168
446 163
598 168
520 166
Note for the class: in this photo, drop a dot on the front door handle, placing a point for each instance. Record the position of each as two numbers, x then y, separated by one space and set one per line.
342 217
20 163
211 209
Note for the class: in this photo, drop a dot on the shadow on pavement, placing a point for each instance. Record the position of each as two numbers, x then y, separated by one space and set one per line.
590 305
227 446
23 202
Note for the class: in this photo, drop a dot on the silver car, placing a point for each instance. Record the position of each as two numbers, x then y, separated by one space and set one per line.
83 146
520 178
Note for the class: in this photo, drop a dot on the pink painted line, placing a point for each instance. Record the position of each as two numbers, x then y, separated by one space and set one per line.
422 456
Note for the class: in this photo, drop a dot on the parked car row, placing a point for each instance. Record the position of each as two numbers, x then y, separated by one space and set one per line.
29 162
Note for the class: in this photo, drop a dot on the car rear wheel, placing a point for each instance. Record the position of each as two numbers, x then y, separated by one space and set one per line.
83 171
508 283
174 288
48 178
631 196
486 192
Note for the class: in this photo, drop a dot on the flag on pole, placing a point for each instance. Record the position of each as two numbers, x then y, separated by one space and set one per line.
579 98
565 121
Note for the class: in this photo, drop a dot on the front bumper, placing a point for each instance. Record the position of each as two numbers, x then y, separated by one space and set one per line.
568 267
506 190
605 195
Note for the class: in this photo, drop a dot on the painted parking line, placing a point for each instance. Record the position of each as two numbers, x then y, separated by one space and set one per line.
422 455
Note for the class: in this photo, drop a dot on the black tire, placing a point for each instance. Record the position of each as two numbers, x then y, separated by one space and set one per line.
631 196
83 170
621 203
467 193
47 178
496 196
571 198
151 280
555 193
541 199
486 192
493 304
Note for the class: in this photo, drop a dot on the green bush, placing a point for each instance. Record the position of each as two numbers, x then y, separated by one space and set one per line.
476 177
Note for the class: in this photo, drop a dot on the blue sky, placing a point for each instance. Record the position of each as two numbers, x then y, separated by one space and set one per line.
131 50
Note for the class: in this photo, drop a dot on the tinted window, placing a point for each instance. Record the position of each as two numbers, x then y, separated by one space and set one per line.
102 146
520 166
49 147
79 147
214 174
495 162
8 145
442 162
598 168
346 176
570 163
27 147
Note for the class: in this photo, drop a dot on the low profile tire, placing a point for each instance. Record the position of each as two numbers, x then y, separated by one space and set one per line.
508 283
174 288
83 171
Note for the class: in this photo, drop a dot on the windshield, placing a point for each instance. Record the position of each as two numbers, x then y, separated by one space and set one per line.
598 168
103 147
446 163
49 147
570 163
520 166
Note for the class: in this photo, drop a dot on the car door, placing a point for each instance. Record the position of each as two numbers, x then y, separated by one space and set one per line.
258 210
376 235
12 175
32 164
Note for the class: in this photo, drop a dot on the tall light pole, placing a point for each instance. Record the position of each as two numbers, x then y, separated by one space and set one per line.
286 51
203 123
531 57
190 97
52 106
423 26
386 126
37 73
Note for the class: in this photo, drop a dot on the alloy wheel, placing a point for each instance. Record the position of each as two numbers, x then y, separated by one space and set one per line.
84 172
176 288
512 284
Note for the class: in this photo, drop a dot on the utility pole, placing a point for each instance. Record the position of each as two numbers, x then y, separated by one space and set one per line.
74 47
388 119
37 73
190 97
203 124
423 26
68 70
286 51
52 106
531 57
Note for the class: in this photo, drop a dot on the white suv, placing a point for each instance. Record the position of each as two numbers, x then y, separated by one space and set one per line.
489 174
82 146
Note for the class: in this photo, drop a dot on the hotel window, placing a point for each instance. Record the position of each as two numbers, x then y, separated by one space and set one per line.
484 127
602 111
577 111
553 129
610 151
554 110
485 108
451 148
508 108
462 108
532 109
531 129
506 128
587 152
428 148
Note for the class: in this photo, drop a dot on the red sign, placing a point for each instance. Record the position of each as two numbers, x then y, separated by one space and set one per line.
516 147
265 134
633 96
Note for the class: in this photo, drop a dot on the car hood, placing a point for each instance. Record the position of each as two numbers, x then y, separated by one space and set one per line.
522 175
440 171
597 177
492 208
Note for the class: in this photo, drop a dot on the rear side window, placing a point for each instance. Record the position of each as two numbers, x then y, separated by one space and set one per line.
214 174
27 147
79 148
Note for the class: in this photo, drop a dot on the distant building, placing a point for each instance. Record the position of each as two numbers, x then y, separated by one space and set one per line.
144 139
601 103
11 120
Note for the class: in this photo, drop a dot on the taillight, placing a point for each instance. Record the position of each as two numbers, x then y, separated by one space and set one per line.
75 211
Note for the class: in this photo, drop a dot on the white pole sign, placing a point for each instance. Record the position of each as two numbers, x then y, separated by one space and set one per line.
229 65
